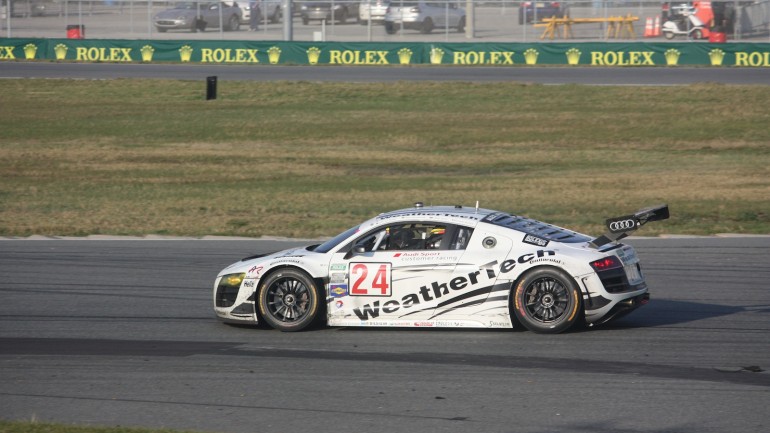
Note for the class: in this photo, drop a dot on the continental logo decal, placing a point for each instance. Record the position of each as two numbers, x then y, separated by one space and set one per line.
486 274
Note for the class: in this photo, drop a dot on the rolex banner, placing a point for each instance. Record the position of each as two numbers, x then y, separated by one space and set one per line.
375 53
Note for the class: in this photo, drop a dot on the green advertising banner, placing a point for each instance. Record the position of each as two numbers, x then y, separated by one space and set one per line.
375 53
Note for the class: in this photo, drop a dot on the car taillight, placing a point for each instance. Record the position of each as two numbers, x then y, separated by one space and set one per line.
665 7
555 4
610 262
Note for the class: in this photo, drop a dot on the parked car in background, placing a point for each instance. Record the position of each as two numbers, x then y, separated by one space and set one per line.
245 9
530 12
374 10
199 16
423 16
326 11
273 9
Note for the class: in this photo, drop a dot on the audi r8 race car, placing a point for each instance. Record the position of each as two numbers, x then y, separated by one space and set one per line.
443 266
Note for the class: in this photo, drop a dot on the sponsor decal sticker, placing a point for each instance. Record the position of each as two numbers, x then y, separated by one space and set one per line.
436 290
535 240
622 224
338 290
370 279
255 271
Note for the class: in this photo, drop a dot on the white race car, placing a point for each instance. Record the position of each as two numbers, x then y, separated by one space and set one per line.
443 266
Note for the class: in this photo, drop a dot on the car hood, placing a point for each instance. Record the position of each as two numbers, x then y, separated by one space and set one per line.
250 262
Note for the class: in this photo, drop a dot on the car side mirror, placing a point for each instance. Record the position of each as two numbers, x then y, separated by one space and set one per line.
357 249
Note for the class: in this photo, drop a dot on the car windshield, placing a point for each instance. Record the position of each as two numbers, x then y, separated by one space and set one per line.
185 6
333 242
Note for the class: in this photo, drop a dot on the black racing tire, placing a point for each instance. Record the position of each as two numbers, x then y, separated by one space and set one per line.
233 24
305 21
161 29
344 17
461 25
289 300
427 26
547 301
390 28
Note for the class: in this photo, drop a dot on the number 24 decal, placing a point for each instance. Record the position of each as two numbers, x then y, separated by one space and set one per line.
370 279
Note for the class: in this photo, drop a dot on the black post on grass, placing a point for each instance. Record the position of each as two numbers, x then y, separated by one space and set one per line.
211 88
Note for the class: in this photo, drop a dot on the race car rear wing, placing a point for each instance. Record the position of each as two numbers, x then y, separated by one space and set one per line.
620 227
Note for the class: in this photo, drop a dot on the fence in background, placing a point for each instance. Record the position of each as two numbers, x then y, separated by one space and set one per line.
487 21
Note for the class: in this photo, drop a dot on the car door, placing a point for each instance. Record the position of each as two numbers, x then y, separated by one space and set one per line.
394 275
483 270
210 13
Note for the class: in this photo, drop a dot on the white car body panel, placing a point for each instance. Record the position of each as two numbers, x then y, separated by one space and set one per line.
469 287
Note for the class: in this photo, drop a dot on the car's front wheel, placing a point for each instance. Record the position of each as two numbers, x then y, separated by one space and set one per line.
234 23
289 300
547 301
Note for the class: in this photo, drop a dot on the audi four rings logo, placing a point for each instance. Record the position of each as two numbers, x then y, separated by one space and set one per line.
621 225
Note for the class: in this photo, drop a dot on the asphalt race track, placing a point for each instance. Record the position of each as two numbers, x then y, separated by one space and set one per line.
121 332
541 75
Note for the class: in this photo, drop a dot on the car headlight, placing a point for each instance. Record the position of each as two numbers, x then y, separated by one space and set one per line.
227 289
233 279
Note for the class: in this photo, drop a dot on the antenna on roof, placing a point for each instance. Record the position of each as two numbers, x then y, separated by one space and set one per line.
477 206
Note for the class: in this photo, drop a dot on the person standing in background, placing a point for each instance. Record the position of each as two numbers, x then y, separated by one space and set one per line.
256 13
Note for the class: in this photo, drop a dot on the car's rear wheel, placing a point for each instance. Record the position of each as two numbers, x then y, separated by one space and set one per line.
547 301
390 28
427 26
669 35
461 25
289 300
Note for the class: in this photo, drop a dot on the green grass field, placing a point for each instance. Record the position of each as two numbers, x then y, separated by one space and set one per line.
303 159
